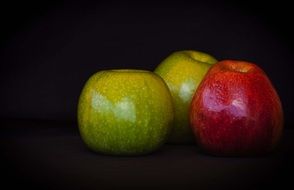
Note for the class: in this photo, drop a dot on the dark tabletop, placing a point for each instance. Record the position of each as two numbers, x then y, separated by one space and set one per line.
51 155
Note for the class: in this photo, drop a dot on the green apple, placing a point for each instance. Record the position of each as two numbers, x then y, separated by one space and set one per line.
183 71
125 112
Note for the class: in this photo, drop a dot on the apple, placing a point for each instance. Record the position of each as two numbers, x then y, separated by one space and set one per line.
183 71
125 112
236 111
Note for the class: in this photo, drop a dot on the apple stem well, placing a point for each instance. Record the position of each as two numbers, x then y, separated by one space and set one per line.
240 66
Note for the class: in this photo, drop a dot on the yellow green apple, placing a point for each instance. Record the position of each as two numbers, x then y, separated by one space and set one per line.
183 71
125 112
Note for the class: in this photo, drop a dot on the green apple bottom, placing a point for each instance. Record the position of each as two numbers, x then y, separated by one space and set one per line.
133 112
125 112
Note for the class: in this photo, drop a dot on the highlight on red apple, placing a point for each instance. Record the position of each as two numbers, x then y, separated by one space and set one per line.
236 110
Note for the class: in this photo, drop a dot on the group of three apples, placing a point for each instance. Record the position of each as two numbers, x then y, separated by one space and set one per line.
228 107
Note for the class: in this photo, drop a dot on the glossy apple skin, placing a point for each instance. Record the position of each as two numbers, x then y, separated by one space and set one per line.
236 111
183 71
125 112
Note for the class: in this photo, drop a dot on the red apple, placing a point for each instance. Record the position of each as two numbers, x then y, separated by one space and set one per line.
236 110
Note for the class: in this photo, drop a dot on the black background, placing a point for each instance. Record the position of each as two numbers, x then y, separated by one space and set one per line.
50 48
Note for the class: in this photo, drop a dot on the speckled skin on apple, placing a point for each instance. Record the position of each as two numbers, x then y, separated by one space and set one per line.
183 71
125 112
236 111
